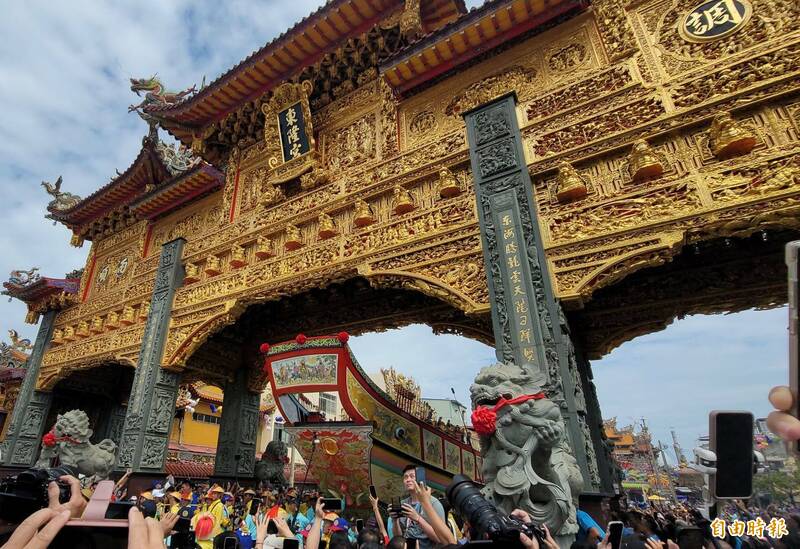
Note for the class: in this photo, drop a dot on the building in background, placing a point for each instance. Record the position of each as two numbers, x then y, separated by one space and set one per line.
195 430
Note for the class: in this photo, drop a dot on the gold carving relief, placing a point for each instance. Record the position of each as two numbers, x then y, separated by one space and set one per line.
545 62
614 27
351 146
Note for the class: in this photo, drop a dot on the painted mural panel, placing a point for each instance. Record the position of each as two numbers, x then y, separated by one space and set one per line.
469 463
433 448
305 370
452 455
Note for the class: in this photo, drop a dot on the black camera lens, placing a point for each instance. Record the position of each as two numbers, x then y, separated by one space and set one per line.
465 496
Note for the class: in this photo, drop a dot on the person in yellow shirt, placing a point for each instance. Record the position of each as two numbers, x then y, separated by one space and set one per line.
174 502
247 497
212 520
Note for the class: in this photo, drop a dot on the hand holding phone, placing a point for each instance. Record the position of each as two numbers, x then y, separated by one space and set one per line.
332 504
615 528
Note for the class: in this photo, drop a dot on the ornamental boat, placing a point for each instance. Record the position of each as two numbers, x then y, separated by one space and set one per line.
381 435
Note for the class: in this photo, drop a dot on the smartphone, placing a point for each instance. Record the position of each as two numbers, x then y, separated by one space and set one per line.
731 438
615 534
272 528
793 262
359 525
254 507
419 473
291 543
372 491
411 543
394 509
332 504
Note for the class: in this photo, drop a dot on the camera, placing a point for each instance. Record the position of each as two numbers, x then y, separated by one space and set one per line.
26 493
486 521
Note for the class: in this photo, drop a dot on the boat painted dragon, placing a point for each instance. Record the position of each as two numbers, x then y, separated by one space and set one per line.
380 437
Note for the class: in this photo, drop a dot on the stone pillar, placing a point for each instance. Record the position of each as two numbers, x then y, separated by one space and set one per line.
151 405
529 325
238 429
605 463
24 436
116 423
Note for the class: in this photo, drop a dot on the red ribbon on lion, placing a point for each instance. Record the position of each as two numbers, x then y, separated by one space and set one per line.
484 418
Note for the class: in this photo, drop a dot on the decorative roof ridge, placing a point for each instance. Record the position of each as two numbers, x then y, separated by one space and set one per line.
221 79
148 148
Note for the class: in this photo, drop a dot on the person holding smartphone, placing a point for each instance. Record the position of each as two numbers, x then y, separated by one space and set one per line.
414 524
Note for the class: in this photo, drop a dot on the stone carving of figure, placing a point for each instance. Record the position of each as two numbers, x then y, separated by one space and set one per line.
527 463
269 468
69 441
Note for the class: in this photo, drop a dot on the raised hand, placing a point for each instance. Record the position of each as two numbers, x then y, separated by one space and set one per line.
781 422
144 533
76 503
168 523
38 530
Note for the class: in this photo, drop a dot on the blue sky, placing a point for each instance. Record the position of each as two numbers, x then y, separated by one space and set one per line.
65 69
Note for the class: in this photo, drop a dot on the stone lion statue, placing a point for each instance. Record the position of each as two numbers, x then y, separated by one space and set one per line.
69 441
526 461
269 468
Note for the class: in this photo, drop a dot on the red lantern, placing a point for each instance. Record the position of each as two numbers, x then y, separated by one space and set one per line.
300 339
342 337
264 348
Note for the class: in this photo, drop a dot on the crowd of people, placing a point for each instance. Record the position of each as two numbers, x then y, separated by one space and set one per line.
186 514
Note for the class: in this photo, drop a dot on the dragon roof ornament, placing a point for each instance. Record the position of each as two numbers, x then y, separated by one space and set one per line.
62 201
178 158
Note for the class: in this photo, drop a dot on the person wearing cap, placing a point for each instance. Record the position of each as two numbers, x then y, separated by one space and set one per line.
174 501
295 519
147 503
247 497
217 511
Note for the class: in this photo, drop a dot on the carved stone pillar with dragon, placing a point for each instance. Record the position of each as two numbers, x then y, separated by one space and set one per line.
19 449
238 429
151 406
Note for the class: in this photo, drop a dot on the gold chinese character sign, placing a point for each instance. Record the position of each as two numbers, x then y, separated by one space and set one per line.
288 132
714 19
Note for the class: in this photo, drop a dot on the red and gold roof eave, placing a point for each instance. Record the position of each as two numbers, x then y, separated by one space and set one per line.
41 289
482 29
147 168
302 45
179 191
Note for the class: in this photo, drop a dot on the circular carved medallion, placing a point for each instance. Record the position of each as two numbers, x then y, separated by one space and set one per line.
103 275
714 19
422 122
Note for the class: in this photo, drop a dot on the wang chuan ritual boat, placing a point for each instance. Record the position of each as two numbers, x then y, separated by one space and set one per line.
380 438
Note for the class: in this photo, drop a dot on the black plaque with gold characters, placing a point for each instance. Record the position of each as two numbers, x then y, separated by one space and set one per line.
294 140
714 19
289 133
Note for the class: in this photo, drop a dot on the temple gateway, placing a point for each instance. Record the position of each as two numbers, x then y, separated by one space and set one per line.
552 178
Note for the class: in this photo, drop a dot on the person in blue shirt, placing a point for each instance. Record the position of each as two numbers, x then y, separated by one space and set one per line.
588 529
